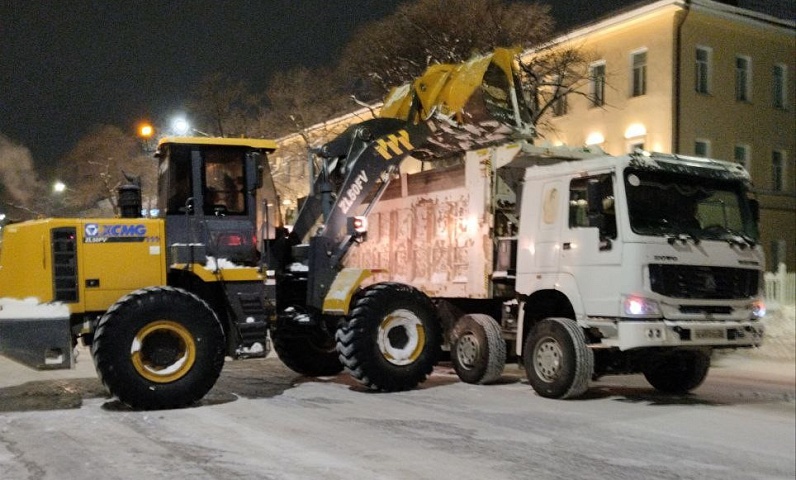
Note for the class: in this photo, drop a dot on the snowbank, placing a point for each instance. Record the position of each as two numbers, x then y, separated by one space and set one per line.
779 342
31 308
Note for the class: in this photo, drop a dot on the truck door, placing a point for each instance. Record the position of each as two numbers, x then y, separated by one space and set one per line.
591 250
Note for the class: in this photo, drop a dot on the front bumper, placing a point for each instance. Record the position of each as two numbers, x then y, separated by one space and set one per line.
629 334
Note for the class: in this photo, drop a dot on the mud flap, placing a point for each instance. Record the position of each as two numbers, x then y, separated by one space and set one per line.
41 343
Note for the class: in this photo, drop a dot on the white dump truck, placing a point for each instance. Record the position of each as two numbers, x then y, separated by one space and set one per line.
581 263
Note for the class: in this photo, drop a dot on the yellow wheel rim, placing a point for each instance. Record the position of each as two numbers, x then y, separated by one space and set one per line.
163 351
401 337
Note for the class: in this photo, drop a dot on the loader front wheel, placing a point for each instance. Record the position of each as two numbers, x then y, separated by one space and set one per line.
678 372
478 351
392 338
557 361
159 347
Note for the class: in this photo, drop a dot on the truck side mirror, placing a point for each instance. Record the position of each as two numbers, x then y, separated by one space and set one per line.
754 205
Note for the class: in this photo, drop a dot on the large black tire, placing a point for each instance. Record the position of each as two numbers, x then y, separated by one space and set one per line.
311 353
678 372
159 347
557 361
392 338
478 351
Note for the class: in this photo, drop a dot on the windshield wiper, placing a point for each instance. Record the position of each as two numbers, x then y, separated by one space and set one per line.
733 237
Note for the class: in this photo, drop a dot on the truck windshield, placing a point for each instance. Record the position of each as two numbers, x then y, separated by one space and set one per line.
666 203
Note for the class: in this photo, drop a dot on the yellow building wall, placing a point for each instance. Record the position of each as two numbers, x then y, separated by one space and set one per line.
725 122
623 116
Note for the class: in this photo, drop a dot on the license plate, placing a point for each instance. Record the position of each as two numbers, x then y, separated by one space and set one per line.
713 333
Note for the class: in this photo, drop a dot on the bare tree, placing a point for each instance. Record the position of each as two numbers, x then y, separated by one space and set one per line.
92 171
23 194
399 47
225 106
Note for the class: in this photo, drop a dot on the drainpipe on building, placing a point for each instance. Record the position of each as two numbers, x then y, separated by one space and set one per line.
677 81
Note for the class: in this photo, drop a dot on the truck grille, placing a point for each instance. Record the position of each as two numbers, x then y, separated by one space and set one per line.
679 281
64 251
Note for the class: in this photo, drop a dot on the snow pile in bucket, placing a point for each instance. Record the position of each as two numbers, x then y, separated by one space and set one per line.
31 308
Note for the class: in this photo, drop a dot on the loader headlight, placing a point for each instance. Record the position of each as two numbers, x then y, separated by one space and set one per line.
358 227
635 306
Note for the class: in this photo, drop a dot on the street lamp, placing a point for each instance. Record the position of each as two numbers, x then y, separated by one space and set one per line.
59 187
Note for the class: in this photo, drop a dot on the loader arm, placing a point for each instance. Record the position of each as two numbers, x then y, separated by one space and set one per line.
357 167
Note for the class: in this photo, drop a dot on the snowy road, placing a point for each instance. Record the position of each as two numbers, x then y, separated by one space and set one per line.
263 422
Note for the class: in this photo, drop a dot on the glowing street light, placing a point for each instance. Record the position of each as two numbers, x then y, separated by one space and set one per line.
145 131
180 126
59 187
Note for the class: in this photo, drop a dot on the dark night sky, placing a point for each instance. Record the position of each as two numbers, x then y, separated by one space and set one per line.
66 65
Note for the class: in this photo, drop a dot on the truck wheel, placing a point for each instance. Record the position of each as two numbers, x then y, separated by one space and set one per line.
309 353
478 351
678 372
159 347
392 338
557 361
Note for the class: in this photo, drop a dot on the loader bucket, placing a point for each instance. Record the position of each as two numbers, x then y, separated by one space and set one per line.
468 105
37 336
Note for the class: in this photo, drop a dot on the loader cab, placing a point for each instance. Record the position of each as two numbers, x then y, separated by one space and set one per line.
208 191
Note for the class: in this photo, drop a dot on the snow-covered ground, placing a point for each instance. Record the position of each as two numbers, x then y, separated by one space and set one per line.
31 308
779 342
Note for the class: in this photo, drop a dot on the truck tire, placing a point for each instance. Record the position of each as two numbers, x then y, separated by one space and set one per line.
309 353
557 361
159 347
392 338
678 372
478 351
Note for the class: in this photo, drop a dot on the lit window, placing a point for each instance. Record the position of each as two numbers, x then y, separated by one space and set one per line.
780 86
742 156
639 74
743 79
702 148
703 70
778 170
597 84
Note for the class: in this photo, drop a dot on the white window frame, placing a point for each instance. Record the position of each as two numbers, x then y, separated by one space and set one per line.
746 158
706 143
597 84
638 88
704 70
779 86
743 79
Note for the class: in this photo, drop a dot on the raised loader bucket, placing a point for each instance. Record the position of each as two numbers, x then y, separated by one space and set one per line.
36 335
468 105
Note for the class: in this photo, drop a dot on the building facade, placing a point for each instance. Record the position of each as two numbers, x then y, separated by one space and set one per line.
698 78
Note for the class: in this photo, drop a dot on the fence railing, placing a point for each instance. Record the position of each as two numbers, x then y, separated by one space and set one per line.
781 286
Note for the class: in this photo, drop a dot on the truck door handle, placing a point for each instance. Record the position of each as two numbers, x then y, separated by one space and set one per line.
566 246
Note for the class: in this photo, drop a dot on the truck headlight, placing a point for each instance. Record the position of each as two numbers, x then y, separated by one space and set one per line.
758 309
635 306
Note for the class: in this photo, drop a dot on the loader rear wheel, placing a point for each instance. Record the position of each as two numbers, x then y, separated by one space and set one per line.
392 338
159 347
478 351
557 361
678 372
311 353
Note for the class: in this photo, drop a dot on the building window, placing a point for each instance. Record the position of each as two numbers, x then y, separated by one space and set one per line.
779 254
742 156
780 86
743 79
702 148
778 170
703 55
639 73
597 84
